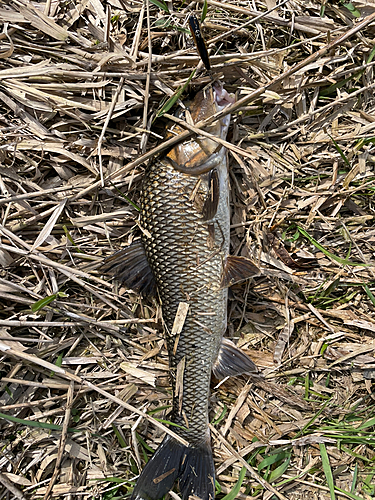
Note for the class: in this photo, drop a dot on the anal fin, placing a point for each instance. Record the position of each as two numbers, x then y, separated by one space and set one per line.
130 266
237 269
231 361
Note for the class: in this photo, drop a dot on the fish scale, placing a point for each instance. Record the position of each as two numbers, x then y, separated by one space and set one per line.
187 270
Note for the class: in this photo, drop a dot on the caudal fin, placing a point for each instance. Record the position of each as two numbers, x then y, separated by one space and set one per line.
197 473
192 466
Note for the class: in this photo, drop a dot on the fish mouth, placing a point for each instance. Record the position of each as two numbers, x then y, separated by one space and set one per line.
201 154
222 100
209 101
222 97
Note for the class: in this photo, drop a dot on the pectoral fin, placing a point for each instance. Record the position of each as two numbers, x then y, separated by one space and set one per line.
130 266
231 361
237 269
213 194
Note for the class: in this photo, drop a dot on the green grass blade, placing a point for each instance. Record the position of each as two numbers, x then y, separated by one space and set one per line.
144 444
232 495
355 475
162 5
173 99
125 197
332 88
307 385
204 11
217 487
369 294
171 424
46 300
68 235
371 56
216 420
158 410
110 480
279 471
344 262
272 459
59 359
32 423
327 470
339 150
350 495
42 303
355 455
351 8
368 423
58 363
120 439
312 420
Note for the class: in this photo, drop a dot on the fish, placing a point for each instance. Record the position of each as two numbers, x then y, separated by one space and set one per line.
183 254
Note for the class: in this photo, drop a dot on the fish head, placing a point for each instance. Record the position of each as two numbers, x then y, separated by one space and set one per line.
201 150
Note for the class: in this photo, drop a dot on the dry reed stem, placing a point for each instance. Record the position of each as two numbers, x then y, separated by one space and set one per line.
81 83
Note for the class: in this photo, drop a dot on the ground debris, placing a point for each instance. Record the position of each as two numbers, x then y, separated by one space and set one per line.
77 127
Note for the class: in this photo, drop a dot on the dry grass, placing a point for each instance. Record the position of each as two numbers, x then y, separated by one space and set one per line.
83 363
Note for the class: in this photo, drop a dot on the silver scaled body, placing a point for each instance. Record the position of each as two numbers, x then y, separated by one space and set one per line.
186 254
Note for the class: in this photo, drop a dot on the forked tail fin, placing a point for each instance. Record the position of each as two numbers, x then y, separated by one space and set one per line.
192 466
